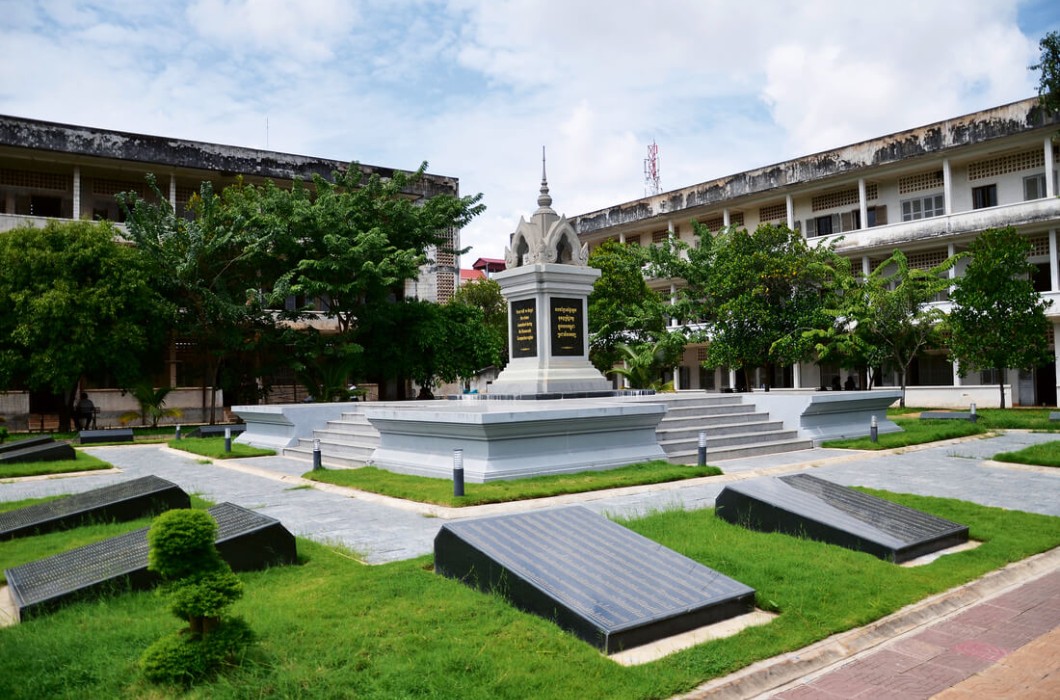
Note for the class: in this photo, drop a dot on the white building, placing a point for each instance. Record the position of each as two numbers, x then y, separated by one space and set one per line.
928 191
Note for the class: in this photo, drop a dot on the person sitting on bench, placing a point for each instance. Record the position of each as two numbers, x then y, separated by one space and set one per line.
85 413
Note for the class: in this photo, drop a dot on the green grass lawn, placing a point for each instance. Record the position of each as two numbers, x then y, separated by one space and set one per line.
917 432
83 462
330 627
440 491
1047 454
215 447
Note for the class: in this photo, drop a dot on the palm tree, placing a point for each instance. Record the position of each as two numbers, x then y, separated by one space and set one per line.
152 403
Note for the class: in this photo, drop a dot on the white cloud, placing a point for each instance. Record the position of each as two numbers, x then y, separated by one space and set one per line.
476 87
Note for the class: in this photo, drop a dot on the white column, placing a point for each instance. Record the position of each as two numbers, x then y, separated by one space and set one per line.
1050 181
796 375
673 302
173 191
670 228
951 250
732 379
790 203
76 214
1054 273
947 186
863 203
1056 352
866 265
621 237
725 217
956 374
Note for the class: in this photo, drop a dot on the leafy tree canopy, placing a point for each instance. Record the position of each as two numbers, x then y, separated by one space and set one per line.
1049 67
75 302
623 310
998 318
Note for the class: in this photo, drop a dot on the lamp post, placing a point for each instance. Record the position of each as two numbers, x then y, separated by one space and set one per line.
458 472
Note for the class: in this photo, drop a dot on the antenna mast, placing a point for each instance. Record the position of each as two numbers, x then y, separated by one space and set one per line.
652 184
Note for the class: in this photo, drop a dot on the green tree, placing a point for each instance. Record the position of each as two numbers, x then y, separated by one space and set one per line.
762 293
643 364
209 265
152 402
887 318
998 319
364 236
1049 66
623 310
75 302
485 294
442 342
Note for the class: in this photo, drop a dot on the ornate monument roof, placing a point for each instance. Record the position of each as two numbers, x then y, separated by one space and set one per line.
547 237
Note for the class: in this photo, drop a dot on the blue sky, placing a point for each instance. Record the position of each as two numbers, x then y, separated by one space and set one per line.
476 87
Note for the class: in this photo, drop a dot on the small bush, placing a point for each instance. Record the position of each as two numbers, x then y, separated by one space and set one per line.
199 586
183 659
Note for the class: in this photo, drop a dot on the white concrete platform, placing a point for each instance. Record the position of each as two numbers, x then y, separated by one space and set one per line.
514 439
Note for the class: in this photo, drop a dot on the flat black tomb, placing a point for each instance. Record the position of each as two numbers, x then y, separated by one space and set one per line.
89 437
804 505
603 582
28 442
216 430
44 449
245 539
949 415
127 500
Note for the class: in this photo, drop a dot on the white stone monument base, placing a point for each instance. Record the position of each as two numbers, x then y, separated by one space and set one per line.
514 439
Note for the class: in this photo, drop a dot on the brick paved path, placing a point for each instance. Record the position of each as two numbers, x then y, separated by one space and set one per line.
1005 647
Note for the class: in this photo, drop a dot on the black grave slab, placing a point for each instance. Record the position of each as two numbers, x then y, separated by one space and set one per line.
601 581
49 451
949 415
28 442
90 437
216 430
125 501
245 539
804 505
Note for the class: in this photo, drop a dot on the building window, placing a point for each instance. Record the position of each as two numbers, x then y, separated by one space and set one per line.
923 207
985 196
1034 186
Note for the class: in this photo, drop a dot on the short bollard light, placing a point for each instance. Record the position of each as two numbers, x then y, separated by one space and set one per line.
458 472
974 416
702 461
178 431
316 454
874 430
228 439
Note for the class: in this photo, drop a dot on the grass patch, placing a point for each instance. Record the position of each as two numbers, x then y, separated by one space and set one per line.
1046 454
914 432
330 627
917 432
82 463
215 447
440 491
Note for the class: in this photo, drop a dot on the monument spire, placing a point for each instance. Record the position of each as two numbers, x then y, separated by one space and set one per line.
544 200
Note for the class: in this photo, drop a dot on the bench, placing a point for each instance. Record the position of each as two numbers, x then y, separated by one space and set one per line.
90 437
217 430
949 415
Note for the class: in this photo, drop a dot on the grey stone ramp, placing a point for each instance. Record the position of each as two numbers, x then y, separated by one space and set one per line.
805 505
40 449
245 539
603 582
127 500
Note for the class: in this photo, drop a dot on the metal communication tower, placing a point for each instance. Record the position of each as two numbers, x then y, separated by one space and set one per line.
651 171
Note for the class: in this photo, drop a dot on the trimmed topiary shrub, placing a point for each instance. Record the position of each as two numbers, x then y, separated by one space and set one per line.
199 586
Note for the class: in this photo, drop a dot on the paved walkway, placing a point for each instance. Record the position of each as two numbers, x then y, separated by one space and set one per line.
954 654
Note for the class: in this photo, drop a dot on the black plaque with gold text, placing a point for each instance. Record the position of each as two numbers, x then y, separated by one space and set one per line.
567 338
524 328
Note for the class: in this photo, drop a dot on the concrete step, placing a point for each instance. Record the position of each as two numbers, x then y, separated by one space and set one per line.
696 421
666 434
740 451
729 440
328 461
681 410
338 434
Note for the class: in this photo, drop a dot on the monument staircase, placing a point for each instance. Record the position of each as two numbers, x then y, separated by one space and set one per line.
734 429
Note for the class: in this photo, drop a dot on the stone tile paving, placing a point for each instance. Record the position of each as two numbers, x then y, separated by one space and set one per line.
975 653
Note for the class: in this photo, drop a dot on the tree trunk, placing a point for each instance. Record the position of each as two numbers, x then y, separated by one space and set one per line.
1001 386
901 401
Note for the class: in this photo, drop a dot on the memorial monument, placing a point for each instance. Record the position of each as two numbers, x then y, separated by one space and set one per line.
547 283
